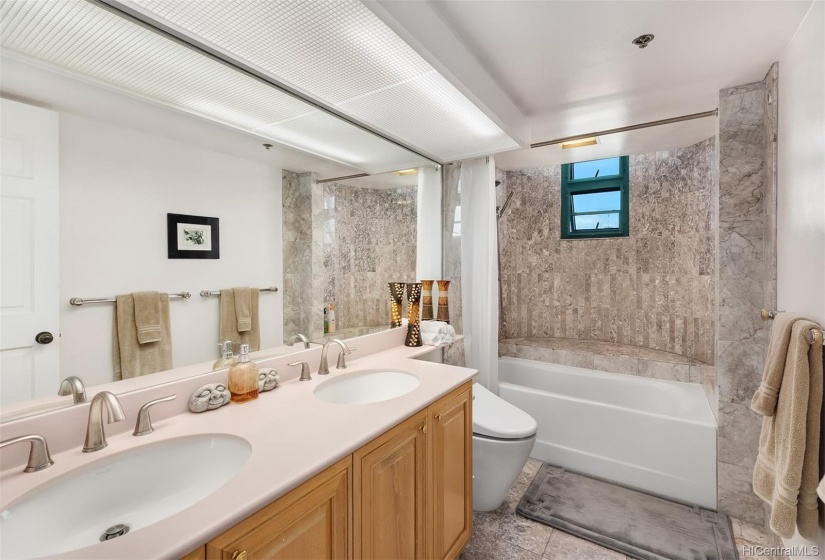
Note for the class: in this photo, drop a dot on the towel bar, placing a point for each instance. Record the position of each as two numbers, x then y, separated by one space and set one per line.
80 301
207 293
816 334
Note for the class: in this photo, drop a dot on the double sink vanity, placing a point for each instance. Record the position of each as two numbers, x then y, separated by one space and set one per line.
371 461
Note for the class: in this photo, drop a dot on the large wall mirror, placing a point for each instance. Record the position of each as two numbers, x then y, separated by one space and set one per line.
122 159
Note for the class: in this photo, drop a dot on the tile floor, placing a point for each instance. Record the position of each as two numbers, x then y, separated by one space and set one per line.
504 535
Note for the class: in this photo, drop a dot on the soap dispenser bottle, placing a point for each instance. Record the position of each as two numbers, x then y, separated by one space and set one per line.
243 378
227 359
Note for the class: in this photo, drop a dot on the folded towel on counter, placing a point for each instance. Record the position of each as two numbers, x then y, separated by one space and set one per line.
764 401
437 327
132 356
229 323
431 339
787 467
147 317
243 308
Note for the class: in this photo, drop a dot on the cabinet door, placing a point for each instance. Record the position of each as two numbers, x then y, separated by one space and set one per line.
389 491
451 475
310 523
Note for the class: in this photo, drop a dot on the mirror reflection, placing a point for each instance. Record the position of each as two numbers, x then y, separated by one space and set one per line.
135 186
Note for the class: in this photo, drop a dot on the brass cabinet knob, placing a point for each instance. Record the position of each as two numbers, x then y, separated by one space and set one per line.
423 428
239 555
438 417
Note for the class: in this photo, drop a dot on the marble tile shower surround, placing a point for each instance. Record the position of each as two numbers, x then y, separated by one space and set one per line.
451 254
747 280
655 289
369 239
342 244
608 357
297 246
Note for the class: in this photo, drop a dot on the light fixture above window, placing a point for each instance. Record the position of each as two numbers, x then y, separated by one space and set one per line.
407 172
592 141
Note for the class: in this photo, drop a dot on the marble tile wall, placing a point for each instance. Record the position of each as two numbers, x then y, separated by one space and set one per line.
451 254
297 247
654 289
608 357
747 280
342 244
369 239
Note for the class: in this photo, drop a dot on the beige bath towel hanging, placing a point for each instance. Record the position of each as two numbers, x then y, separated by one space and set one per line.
229 325
764 401
243 308
147 317
131 357
787 468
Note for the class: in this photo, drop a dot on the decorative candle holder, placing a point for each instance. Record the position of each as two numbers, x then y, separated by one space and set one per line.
427 299
413 335
414 303
443 301
396 297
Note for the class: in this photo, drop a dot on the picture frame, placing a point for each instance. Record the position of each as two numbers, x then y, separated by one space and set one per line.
192 237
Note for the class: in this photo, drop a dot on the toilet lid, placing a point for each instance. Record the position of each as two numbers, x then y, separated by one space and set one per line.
495 417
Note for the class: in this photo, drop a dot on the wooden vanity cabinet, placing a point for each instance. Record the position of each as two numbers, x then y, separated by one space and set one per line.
407 494
390 493
451 472
312 521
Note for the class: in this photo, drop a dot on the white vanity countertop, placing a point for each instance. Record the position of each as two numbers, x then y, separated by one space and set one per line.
293 435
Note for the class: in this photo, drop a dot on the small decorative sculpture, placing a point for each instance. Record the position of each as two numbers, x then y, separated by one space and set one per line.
427 300
443 301
267 379
396 297
209 397
413 335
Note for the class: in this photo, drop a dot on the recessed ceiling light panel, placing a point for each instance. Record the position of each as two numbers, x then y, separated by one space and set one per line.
78 36
344 56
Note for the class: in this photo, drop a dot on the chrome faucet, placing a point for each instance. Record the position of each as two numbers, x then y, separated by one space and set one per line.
143 426
95 436
342 361
39 457
323 369
295 338
73 386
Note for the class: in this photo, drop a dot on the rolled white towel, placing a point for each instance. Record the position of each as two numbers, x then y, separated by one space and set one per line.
450 330
430 339
437 327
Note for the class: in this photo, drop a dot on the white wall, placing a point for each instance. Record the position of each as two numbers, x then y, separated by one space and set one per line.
116 187
801 181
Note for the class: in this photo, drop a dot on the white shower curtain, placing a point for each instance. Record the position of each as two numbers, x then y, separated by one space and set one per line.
479 280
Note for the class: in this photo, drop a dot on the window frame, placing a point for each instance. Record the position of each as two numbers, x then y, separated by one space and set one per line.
570 187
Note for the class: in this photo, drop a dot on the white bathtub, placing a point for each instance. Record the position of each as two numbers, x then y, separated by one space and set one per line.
657 436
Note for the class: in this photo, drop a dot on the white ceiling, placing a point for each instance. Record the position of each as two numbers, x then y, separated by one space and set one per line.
570 67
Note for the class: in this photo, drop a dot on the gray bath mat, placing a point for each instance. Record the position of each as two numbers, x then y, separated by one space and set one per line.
631 522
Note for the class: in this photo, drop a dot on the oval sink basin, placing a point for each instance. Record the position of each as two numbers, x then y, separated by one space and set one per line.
364 387
135 488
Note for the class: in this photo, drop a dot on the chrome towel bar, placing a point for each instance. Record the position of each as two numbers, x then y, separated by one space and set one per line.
80 301
816 335
207 293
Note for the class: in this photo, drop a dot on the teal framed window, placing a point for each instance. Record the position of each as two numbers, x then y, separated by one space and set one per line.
595 199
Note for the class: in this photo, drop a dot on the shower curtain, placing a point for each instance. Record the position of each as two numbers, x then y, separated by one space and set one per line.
479 282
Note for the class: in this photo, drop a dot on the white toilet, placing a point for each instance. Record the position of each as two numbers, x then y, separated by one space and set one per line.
503 437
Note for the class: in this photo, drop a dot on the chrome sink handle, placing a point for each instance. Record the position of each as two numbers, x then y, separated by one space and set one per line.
323 368
39 457
72 385
305 376
95 436
143 426
342 361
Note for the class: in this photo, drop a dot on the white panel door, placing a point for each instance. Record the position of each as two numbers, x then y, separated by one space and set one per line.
29 236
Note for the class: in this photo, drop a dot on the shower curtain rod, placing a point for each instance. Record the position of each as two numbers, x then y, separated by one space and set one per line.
713 113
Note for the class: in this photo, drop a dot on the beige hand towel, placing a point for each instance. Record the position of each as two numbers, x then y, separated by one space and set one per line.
243 308
764 401
131 358
229 322
147 317
787 467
